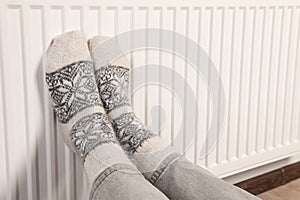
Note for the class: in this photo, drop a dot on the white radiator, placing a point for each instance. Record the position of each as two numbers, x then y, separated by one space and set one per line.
254 46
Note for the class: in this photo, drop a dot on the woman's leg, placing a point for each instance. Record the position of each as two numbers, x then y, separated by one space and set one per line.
184 180
84 124
173 175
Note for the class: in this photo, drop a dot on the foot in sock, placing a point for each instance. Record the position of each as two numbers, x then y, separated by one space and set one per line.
82 121
170 173
145 149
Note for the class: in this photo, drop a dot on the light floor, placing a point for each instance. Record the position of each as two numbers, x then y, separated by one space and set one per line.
289 191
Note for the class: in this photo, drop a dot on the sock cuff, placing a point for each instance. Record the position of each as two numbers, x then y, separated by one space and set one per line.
151 154
104 157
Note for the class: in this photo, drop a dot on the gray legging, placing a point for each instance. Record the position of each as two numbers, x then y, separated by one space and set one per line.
180 180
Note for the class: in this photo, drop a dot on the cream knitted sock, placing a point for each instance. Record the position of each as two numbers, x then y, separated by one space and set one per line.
75 97
145 149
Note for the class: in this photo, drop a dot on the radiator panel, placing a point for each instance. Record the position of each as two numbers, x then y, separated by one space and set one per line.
254 47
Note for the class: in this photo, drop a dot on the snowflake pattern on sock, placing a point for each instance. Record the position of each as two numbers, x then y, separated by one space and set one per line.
91 131
130 132
113 82
72 89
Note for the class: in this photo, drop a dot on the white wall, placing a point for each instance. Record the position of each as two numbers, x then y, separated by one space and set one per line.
254 46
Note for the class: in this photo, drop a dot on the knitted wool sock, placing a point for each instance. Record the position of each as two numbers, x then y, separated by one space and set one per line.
83 122
145 149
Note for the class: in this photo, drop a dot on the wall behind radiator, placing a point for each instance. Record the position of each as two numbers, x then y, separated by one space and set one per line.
254 46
